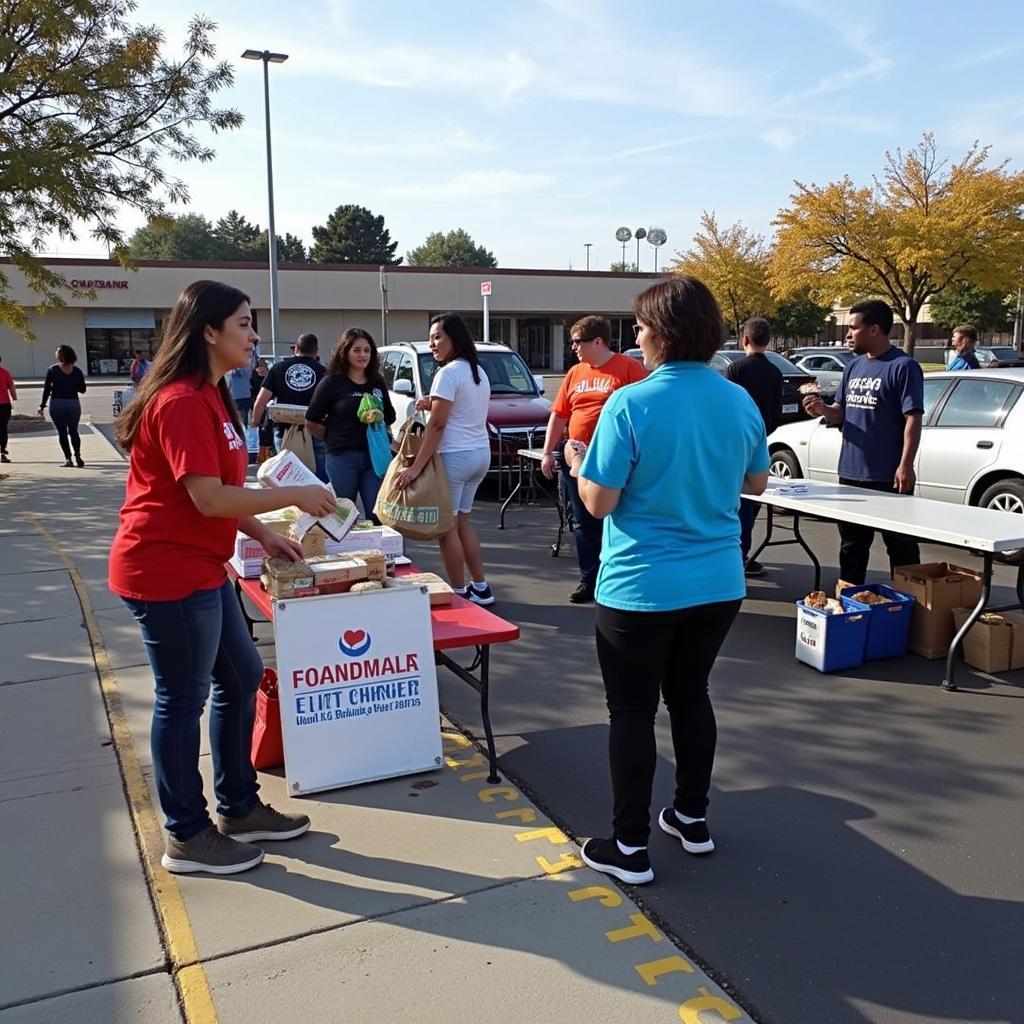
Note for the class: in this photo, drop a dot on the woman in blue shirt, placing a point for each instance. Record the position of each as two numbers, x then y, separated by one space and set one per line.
669 460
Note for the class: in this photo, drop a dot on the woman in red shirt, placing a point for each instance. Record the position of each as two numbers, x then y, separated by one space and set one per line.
184 502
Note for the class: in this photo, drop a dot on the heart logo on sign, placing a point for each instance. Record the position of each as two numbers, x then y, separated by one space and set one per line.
354 642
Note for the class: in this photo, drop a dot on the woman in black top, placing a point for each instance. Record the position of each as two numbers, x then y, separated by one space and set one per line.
354 371
64 383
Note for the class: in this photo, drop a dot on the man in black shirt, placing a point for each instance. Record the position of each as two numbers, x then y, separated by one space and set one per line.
292 381
763 382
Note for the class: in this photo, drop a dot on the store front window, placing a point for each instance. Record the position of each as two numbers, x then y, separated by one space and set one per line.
110 351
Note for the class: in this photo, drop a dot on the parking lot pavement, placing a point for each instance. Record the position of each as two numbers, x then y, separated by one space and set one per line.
409 899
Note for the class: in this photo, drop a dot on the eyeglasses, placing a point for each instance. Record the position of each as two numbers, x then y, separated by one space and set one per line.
636 330
581 341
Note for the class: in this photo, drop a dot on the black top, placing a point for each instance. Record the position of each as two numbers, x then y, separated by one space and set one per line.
336 403
293 381
763 382
59 384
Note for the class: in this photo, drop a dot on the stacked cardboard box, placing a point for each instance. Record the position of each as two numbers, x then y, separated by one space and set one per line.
937 588
995 643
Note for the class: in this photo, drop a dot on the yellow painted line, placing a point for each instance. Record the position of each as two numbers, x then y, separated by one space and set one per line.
172 916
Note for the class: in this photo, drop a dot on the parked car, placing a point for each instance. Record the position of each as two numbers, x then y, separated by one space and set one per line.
518 413
972 441
792 380
827 364
634 353
998 355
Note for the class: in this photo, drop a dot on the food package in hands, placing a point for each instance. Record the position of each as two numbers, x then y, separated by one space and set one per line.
280 412
286 469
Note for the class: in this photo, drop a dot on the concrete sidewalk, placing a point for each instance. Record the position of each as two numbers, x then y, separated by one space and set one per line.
414 900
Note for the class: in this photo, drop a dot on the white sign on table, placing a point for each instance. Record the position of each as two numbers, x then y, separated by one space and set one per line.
358 688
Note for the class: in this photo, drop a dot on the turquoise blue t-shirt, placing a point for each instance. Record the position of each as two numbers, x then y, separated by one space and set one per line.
677 445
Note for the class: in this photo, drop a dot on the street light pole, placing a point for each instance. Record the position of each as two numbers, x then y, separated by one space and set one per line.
587 245
269 58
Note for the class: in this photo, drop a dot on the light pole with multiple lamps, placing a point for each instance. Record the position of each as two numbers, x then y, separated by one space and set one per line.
269 58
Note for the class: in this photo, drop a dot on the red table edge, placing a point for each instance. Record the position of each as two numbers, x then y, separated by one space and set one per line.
460 624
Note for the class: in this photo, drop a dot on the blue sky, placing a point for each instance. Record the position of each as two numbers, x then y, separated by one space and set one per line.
541 125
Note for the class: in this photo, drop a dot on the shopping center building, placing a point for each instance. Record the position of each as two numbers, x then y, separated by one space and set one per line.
121 311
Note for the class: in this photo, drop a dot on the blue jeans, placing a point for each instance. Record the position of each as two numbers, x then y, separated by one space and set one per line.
748 513
586 529
191 644
351 473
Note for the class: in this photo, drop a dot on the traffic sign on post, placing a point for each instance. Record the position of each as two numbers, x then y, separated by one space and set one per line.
485 291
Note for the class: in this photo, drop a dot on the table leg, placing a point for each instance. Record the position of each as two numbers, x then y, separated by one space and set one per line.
482 686
508 501
768 529
249 621
949 682
810 554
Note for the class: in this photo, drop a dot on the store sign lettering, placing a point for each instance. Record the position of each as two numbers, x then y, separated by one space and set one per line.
79 283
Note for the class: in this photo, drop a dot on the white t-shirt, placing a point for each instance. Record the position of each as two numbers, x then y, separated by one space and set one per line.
466 429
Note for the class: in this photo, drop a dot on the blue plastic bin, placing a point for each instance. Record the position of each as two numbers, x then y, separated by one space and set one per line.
888 624
831 643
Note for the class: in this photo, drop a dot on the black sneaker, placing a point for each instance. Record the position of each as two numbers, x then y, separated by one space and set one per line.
5 457
262 824
753 568
583 594
695 837
605 855
78 462
479 595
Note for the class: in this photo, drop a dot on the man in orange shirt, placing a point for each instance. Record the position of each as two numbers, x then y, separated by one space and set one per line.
578 405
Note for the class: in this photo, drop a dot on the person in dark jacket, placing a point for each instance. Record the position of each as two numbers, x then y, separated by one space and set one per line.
354 371
64 383
763 382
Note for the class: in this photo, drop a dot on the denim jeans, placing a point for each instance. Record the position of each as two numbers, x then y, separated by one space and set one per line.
748 513
351 473
586 531
192 644
65 413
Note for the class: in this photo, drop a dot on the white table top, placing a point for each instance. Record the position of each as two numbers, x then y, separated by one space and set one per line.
941 522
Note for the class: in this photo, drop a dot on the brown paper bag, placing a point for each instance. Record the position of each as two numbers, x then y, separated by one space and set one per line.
296 439
423 510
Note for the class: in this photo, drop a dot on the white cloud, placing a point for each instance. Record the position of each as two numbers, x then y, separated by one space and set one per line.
992 56
471 185
783 139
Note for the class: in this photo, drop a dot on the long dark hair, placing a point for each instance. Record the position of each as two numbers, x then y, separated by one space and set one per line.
462 341
338 365
183 351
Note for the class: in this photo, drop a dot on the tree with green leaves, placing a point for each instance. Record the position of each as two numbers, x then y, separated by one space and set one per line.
799 317
189 238
353 234
91 111
237 238
963 303
623 267
290 248
455 249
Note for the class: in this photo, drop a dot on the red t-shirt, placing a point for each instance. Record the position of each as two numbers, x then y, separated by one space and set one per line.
165 548
6 380
586 388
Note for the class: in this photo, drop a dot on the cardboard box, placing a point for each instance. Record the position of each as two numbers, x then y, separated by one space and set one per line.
284 578
281 412
376 563
937 588
987 644
248 568
337 570
438 591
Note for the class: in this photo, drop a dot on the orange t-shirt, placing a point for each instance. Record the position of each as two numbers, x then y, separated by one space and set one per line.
586 388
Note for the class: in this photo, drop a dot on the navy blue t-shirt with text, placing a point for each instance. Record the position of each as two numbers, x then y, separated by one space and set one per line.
876 394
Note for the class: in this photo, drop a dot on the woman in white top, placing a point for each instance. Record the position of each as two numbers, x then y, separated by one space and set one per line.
457 430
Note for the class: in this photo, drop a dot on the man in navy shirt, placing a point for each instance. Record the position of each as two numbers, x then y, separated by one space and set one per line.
880 403
965 337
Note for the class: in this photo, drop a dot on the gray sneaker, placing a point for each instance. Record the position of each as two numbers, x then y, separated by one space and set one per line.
210 851
263 823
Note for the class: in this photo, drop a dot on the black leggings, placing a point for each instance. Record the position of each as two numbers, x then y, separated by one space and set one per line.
644 655
5 418
65 413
